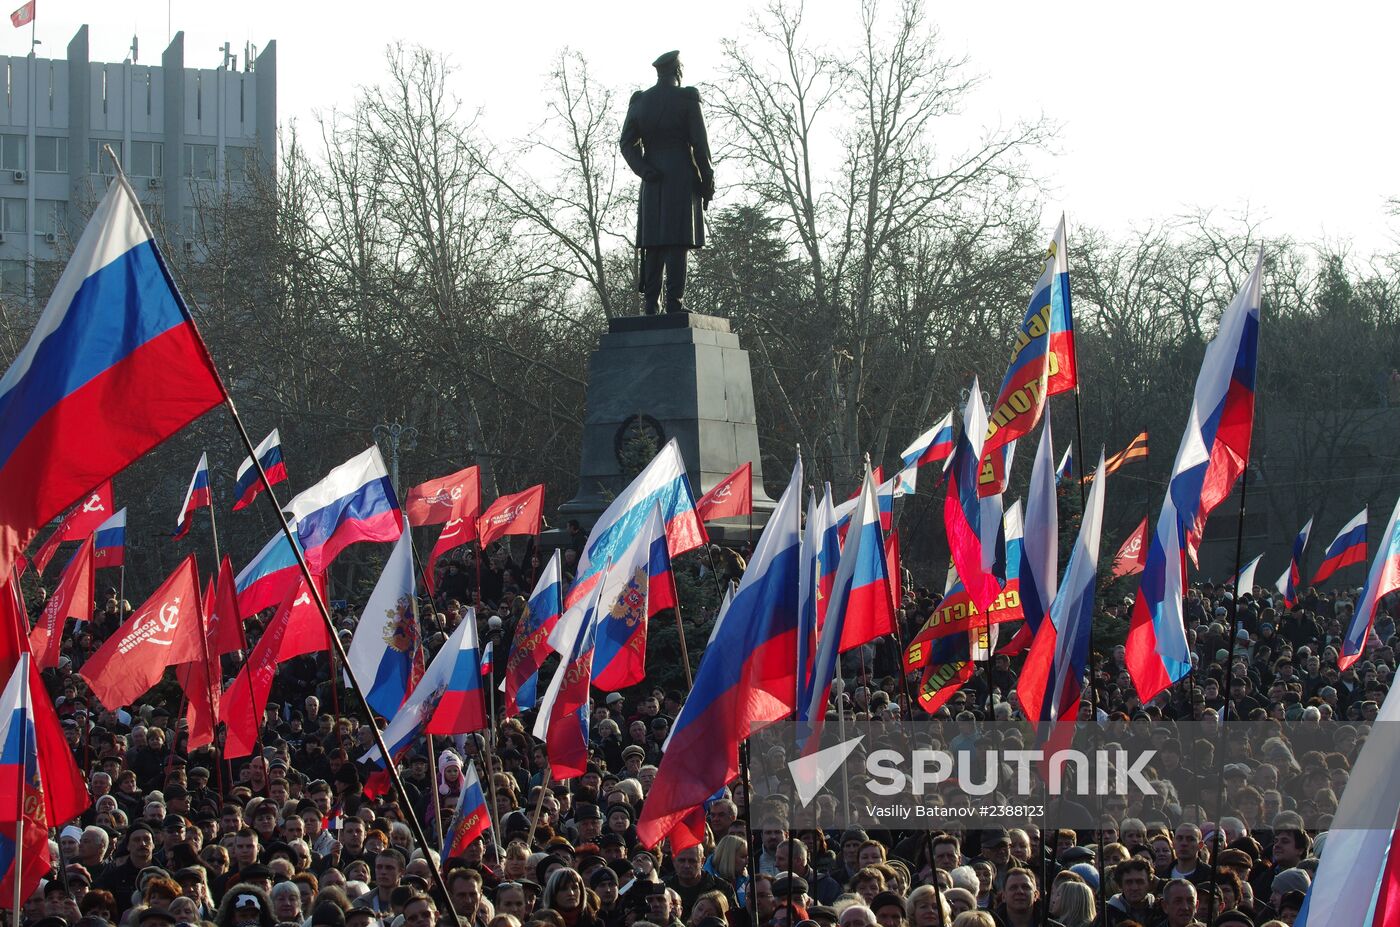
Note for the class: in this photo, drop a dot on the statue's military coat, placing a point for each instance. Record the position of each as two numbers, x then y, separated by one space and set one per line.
664 142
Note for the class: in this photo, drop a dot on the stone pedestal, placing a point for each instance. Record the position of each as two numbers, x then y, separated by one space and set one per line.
654 378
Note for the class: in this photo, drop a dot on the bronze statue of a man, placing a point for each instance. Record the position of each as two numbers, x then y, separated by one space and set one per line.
664 142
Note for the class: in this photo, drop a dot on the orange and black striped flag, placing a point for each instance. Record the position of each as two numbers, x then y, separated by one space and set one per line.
1136 450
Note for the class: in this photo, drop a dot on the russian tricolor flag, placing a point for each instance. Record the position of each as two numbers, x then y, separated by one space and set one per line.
114 367
1245 581
1215 447
471 820
530 645
247 484
264 582
1347 548
488 658
963 510
861 586
422 702
1066 467
461 707
19 757
387 649
884 497
1157 651
639 586
932 446
747 679
1213 453
354 502
20 785
1042 359
1039 556
1382 579
1040 542
821 550
663 482
562 722
620 649
1051 683
196 497
1357 880
1287 584
109 549
861 608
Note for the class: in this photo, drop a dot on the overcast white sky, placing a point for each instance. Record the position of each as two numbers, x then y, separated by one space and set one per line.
1286 109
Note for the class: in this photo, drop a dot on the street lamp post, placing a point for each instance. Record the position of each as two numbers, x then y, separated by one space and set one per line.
398 436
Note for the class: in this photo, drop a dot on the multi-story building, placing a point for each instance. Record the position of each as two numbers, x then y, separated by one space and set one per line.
185 136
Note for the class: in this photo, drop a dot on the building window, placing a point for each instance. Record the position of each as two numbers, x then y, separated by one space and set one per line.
145 159
240 163
99 161
51 154
199 162
12 276
192 220
13 149
46 274
12 216
49 216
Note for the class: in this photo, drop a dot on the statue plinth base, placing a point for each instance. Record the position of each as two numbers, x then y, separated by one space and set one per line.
653 378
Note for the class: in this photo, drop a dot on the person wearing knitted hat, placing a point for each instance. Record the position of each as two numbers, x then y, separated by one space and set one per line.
449 773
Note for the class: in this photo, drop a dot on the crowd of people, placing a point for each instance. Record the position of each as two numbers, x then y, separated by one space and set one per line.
289 835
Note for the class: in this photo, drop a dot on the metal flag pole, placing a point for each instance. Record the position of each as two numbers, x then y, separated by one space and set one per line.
336 647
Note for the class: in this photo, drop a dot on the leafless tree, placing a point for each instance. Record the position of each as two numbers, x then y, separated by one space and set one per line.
889 221
578 206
